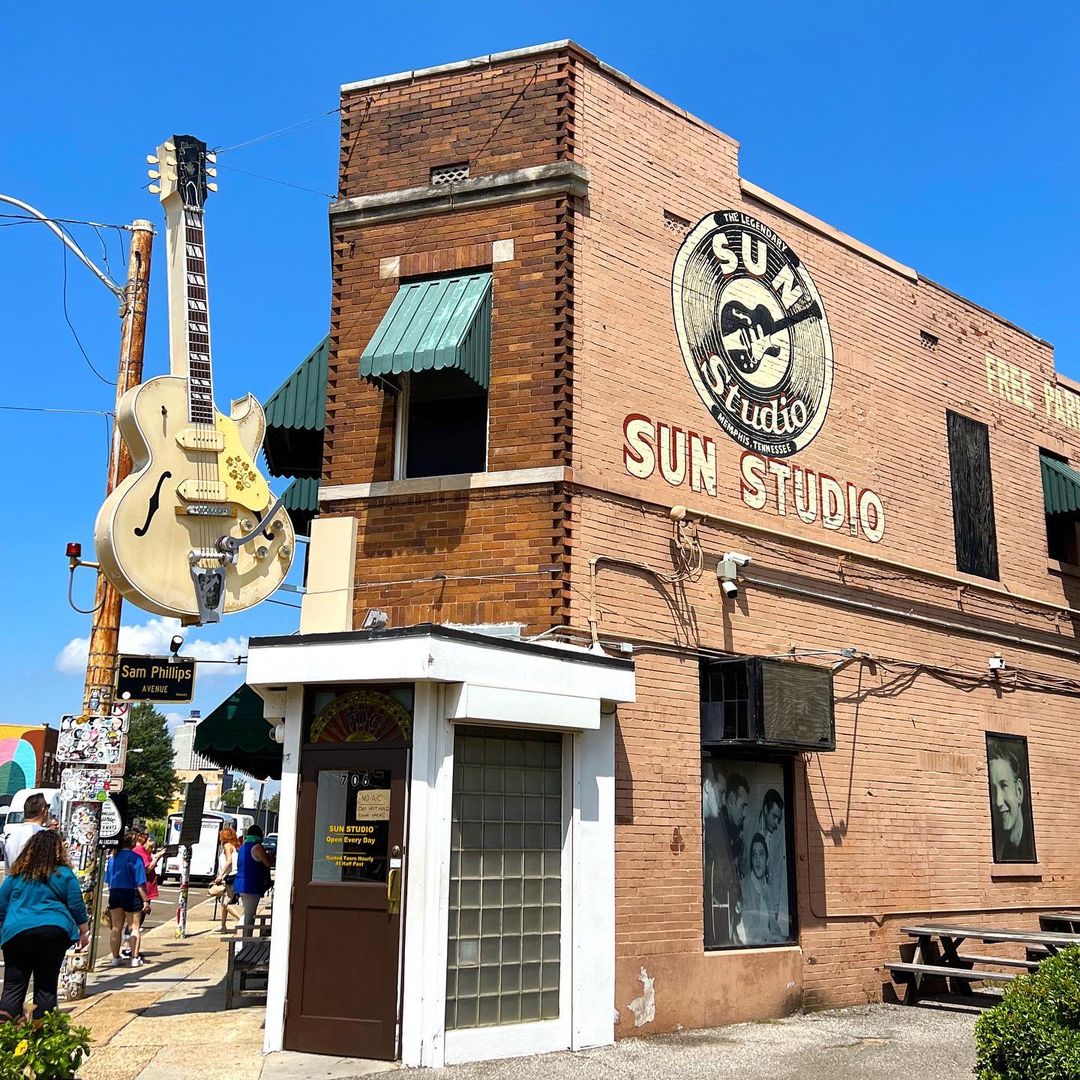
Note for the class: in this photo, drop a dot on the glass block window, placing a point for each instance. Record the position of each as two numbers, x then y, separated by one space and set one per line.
505 878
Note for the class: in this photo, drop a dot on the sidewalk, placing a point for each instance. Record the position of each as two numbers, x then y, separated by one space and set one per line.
167 1021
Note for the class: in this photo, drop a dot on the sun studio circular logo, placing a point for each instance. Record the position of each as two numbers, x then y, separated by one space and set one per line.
753 333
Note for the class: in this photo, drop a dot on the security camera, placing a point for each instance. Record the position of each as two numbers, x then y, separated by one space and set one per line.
730 589
737 559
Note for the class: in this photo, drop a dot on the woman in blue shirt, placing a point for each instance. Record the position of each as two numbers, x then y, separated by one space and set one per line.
128 902
252 874
41 914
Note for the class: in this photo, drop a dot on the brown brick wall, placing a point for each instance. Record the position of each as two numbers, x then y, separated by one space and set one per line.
511 115
897 819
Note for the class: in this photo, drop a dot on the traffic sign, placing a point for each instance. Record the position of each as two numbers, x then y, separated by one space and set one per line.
154 678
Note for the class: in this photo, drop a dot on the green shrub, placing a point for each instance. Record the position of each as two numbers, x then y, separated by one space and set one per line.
156 828
46 1049
1034 1034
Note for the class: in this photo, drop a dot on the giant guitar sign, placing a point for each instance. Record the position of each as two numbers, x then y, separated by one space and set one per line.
194 531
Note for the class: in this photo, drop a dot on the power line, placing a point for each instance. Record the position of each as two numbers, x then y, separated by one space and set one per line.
299 128
20 219
272 180
75 333
42 409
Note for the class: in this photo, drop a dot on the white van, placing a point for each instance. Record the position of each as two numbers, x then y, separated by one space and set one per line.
204 853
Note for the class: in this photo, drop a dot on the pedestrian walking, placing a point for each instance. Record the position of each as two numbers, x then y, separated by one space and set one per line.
142 848
252 874
41 914
227 869
35 818
128 902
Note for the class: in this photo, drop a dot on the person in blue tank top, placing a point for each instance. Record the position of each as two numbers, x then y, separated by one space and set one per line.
252 874
41 914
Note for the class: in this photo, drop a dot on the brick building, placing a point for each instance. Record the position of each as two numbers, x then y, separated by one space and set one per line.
691 601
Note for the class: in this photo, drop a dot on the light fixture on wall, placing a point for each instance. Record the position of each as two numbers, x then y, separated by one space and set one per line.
374 619
277 732
996 664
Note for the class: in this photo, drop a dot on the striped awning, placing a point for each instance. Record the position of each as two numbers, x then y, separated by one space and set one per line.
301 501
296 416
1061 486
434 326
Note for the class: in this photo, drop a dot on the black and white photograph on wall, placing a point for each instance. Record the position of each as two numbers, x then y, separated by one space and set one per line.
1013 826
745 838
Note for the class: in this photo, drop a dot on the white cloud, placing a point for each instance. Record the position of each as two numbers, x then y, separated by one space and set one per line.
152 638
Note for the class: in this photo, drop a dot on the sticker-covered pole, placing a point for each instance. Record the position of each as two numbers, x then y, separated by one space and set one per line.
82 808
185 885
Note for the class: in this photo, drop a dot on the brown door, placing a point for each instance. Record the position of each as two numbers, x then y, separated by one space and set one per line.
346 930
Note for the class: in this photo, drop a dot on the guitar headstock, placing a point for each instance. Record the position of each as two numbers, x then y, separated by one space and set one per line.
184 164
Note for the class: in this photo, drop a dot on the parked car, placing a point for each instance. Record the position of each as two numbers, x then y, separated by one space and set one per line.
269 844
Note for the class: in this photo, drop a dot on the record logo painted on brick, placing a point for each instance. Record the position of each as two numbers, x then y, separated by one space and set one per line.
753 333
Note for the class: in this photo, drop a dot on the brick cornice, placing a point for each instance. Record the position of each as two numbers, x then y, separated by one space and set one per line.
516 185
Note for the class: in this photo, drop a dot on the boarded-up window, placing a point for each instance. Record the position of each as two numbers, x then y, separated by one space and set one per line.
972 496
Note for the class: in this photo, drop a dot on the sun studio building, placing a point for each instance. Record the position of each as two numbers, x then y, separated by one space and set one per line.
691 600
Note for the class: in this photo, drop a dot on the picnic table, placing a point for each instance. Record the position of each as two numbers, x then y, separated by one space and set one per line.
937 955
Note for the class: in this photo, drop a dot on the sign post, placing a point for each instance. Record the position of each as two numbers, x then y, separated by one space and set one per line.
113 811
190 831
81 816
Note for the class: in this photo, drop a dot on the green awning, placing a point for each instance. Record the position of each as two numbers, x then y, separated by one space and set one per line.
302 503
432 326
296 416
1061 486
235 736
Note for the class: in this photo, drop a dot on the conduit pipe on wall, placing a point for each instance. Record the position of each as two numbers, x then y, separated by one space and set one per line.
909 616
908 568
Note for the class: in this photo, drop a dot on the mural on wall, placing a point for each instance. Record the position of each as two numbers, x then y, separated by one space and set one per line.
753 333
755 340
21 750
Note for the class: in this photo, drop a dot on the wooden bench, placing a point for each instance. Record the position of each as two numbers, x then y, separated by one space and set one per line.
249 960
937 955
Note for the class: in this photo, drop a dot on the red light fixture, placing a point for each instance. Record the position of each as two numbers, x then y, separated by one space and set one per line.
74 550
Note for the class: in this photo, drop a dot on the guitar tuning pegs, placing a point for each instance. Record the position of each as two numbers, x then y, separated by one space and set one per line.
212 187
151 159
170 160
155 189
153 174
211 172
211 157
169 144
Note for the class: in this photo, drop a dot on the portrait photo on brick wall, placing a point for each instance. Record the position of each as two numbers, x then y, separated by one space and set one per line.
745 839
1010 798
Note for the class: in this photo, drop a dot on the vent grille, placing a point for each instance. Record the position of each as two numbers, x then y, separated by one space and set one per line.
929 341
449 174
674 223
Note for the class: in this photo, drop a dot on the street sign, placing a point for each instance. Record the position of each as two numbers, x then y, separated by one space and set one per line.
111 827
191 827
92 740
87 785
154 678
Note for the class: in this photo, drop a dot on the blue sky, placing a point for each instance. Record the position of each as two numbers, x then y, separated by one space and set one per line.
943 134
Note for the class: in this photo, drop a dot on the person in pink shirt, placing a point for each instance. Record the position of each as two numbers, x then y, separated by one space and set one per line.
144 849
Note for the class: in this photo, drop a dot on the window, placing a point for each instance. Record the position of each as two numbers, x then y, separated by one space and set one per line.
504 946
1012 823
972 496
441 425
748 861
1061 528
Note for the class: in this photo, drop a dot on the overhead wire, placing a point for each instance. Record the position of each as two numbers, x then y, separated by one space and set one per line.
71 325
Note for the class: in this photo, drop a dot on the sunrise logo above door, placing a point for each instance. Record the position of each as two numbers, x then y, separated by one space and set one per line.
753 333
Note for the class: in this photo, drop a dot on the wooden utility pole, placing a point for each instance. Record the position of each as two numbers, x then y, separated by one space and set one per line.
82 819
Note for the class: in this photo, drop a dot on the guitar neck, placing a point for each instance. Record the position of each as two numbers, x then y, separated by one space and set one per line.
197 320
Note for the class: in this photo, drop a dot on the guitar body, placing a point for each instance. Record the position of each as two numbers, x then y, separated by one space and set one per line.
190 485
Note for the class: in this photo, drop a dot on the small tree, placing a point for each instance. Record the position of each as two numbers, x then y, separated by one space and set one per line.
233 799
273 803
150 778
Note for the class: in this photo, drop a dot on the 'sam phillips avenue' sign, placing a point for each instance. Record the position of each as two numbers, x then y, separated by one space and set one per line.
154 678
